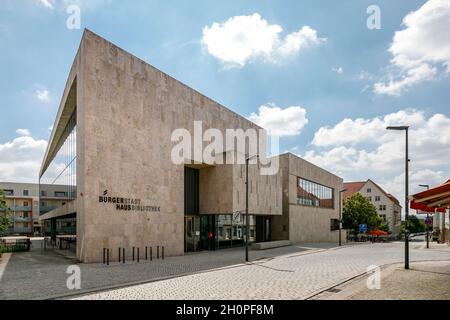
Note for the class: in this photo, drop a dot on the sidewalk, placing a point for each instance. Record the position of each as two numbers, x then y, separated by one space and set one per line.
21 272
423 281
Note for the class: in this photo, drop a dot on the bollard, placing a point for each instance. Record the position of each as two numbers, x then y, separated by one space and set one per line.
157 252
119 255
138 255
163 252
123 255
107 257
133 254
146 257
104 255
151 253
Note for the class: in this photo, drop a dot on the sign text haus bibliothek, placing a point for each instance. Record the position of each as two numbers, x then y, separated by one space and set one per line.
127 204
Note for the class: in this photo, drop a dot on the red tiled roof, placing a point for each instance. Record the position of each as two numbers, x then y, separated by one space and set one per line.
352 188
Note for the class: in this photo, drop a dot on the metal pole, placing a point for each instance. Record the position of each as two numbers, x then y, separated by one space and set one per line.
428 226
443 227
406 203
428 231
428 217
340 218
246 209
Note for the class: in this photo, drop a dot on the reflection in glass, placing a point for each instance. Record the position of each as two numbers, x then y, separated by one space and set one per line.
313 194
231 230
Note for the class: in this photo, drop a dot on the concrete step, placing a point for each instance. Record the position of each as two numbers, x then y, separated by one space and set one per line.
270 244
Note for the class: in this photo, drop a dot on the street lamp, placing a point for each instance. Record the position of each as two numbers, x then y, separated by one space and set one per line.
405 128
340 216
428 217
247 160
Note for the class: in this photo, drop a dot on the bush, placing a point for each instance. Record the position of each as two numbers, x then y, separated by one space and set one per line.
15 248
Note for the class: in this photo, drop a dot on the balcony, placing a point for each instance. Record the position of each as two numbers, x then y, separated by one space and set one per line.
22 219
18 231
19 208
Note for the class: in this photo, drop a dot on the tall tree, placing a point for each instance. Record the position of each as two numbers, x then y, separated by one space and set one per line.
5 218
359 210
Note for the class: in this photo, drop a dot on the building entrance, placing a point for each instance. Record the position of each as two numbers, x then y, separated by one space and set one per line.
191 210
263 225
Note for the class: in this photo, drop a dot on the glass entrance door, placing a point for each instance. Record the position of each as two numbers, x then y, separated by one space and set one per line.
191 234
263 229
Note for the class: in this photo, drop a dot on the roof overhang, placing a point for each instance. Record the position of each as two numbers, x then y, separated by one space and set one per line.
65 112
435 198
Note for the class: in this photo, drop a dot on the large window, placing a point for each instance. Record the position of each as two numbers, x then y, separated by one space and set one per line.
313 194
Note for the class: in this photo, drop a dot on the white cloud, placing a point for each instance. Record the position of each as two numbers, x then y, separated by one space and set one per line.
358 149
338 70
242 39
46 3
354 131
43 95
421 49
366 145
23 132
20 159
280 122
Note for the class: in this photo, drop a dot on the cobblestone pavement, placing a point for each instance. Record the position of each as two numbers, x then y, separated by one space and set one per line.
292 276
423 281
42 274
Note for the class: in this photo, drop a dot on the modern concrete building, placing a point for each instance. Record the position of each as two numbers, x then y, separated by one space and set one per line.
25 202
310 203
112 146
388 207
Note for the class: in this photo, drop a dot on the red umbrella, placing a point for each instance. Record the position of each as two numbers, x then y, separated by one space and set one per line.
378 232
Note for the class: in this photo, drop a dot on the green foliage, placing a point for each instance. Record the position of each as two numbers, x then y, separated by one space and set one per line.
5 218
359 210
415 225
385 227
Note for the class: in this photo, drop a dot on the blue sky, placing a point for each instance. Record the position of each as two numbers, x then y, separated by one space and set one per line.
332 76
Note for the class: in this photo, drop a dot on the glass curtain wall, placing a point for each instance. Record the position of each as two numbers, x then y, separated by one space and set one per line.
59 179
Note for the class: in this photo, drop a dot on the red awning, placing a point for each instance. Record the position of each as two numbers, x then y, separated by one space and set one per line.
424 208
435 199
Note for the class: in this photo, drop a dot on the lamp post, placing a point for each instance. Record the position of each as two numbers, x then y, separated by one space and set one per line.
405 128
247 160
340 216
428 216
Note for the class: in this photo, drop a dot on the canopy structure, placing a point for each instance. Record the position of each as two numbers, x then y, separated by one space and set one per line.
432 200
